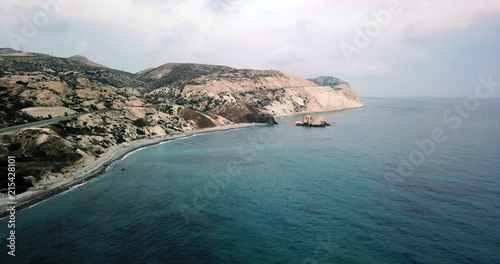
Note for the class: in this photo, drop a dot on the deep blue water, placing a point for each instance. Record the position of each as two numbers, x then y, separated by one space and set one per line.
287 194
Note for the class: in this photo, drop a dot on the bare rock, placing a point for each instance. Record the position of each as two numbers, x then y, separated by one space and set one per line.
320 122
308 121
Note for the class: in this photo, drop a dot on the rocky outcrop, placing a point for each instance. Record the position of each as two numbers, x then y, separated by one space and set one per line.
84 60
199 120
337 84
307 120
320 122
208 87
41 155
244 114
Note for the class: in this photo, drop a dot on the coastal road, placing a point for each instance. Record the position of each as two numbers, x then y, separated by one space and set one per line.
49 121
39 123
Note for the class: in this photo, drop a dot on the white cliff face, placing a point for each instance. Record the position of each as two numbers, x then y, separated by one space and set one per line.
271 92
312 99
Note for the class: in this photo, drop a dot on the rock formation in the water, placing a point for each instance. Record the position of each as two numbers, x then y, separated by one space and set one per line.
106 107
307 120
320 122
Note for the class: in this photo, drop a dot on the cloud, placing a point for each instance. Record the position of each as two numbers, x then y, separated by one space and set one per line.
298 36
437 17
286 55
360 69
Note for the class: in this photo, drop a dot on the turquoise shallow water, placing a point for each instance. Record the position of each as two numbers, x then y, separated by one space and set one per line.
287 194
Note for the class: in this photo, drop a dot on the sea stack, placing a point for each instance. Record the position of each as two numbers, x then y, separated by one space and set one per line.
308 121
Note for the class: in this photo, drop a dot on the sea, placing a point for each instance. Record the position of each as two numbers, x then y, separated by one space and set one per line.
402 180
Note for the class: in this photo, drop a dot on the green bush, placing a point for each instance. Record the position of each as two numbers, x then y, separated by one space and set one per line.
140 122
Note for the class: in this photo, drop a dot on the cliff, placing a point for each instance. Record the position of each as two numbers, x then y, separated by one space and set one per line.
94 108
214 88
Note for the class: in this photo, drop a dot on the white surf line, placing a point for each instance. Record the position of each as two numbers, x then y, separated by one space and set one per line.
72 188
175 139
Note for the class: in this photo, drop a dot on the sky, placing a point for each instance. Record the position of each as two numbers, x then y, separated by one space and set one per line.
381 47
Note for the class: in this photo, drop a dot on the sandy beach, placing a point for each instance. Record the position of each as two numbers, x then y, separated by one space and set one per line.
97 168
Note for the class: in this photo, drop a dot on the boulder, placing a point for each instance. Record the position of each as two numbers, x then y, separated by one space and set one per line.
320 122
307 120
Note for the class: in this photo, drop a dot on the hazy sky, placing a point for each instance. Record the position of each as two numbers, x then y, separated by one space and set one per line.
381 47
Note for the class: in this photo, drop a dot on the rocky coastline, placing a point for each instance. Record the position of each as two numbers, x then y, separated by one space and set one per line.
60 116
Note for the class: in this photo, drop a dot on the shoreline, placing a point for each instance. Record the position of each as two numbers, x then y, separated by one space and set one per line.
99 166
319 112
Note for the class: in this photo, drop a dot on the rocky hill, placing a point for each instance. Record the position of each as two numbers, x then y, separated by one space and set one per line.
107 107
7 51
84 60
211 88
